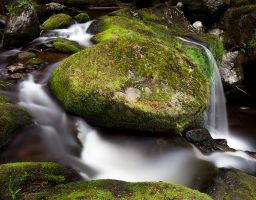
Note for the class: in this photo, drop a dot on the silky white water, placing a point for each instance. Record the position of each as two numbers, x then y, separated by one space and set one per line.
216 120
128 160
76 32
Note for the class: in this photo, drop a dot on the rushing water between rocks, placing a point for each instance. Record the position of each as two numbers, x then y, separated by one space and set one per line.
56 135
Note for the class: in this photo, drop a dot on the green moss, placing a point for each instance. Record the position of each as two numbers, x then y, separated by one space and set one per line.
239 24
11 118
65 46
148 15
17 7
20 179
233 184
34 61
138 55
57 21
82 17
113 190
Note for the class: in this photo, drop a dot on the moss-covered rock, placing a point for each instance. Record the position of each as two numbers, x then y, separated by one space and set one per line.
25 55
114 190
11 118
239 24
136 77
82 17
33 180
233 184
20 179
65 46
57 21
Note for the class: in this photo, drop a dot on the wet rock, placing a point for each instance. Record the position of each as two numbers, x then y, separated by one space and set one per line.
95 27
233 184
34 63
65 46
22 27
25 55
57 21
82 17
46 10
239 26
230 73
19 67
206 144
17 76
198 26
12 117
206 11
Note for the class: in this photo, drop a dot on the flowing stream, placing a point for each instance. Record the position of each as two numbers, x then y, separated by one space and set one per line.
216 119
122 156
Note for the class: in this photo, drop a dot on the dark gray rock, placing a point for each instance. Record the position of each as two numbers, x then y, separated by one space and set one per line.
205 11
21 28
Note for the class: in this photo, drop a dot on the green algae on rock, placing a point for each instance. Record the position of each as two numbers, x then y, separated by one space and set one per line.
20 179
65 46
11 118
142 79
57 21
82 17
233 184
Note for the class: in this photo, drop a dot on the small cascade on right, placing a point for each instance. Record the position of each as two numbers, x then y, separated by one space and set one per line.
216 120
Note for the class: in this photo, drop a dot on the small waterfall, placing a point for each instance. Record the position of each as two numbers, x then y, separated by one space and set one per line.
216 120
76 32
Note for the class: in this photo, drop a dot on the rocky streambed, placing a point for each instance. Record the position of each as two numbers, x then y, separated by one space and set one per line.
127 105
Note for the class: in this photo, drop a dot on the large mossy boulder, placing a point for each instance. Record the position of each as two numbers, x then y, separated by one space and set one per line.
57 21
33 181
12 117
233 184
22 25
136 77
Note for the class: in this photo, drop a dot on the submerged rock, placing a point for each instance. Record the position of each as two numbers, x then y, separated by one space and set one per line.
12 117
51 181
166 92
22 27
57 21
233 184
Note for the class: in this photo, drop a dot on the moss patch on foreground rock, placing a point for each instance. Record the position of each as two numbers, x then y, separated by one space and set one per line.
233 184
21 179
51 181
136 77
11 118
57 21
